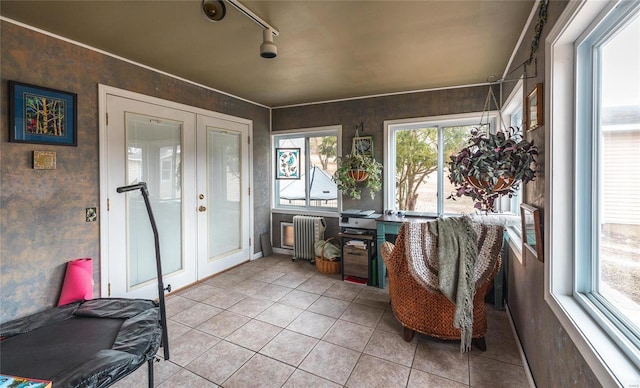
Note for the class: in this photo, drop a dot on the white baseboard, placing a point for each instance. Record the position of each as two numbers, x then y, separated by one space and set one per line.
283 251
523 357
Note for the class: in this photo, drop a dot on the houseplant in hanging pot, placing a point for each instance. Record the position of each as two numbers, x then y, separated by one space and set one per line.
355 171
492 165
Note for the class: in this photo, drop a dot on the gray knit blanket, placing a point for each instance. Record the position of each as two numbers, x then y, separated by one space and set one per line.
450 255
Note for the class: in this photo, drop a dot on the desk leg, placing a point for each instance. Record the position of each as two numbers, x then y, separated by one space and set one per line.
382 270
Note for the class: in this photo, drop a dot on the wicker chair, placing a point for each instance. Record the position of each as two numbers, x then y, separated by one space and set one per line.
428 311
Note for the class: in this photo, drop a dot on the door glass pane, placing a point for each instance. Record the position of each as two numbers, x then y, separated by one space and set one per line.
619 168
454 139
153 147
224 172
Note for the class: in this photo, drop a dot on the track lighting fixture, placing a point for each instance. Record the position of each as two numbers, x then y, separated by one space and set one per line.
267 48
214 10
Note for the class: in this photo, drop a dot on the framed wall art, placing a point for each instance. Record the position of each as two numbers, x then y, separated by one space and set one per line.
287 163
42 115
534 111
532 231
362 145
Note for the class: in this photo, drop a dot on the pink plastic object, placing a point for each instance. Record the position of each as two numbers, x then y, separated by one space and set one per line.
78 281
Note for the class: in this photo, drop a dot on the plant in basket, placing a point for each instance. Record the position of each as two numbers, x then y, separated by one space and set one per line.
492 165
356 170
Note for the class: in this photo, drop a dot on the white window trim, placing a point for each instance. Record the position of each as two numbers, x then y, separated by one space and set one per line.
608 363
299 210
389 144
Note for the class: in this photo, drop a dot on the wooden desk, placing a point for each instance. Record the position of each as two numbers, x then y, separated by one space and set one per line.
391 225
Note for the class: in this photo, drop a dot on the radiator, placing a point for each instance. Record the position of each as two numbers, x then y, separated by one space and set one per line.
306 231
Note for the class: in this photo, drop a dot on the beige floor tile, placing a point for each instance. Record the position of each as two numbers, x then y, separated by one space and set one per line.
302 379
190 346
248 286
221 361
177 304
250 306
224 300
223 324
331 362
279 314
200 292
223 280
343 291
292 279
349 335
268 275
362 314
391 347
443 362
176 329
420 379
289 347
388 322
272 292
316 284
374 297
196 314
311 324
329 306
262 372
487 373
186 379
373 372
254 335
299 299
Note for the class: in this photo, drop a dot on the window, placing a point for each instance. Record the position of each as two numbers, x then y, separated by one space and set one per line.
315 190
416 156
608 124
513 117
593 212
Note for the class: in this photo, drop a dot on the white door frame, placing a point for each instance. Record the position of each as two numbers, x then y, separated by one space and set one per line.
103 91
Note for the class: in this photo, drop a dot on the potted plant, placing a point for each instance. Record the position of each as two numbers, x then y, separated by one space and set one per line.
492 165
356 170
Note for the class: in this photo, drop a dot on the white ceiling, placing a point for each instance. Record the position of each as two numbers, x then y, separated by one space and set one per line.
326 49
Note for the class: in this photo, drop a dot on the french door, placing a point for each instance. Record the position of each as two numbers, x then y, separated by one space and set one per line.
198 193
223 206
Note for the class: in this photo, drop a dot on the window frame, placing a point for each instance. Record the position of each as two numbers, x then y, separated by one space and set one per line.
331 130
391 126
578 315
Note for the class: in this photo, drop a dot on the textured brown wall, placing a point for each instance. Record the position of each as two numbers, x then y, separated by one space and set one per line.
42 211
553 358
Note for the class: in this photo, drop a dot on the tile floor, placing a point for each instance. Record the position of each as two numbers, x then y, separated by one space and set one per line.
273 322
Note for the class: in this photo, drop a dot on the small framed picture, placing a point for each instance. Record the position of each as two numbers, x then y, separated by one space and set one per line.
287 163
362 145
532 231
534 105
42 115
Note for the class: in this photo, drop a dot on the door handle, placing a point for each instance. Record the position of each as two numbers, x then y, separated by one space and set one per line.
202 208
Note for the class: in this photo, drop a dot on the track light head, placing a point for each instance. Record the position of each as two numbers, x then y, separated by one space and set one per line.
214 10
267 48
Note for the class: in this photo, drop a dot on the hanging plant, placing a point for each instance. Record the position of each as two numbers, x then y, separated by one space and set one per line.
355 171
492 165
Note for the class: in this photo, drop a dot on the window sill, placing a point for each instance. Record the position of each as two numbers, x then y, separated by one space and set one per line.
515 243
308 212
608 363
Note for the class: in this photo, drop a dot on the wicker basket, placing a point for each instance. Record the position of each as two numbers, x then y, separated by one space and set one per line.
327 266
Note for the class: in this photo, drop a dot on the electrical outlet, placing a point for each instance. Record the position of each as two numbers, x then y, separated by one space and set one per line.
91 214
